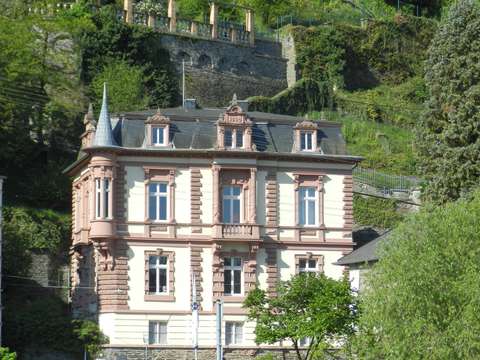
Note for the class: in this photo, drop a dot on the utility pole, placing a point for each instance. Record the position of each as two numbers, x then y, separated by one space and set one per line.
219 308
183 83
2 178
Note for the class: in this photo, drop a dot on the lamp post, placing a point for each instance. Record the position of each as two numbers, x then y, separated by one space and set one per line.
145 341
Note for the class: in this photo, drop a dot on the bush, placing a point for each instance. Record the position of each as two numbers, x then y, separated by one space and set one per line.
5 354
306 95
375 212
90 335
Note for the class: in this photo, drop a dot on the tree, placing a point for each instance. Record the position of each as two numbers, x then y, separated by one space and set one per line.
5 354
449 132
423 295
307 306
90 335
125 84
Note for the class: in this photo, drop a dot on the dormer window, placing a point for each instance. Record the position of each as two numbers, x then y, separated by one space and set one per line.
233 138
234 129
157 129
306 136
158 136
306 140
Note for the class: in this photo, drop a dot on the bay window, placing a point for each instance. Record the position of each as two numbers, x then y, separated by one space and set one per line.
158 275
232 276
307 205
102 198
158 201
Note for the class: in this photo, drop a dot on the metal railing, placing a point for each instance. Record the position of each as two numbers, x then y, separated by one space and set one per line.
385 182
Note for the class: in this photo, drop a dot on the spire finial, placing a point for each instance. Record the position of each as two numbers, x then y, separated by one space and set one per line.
104 134
234 99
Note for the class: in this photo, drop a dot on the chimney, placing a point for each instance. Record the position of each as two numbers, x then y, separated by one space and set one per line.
190 104
243 105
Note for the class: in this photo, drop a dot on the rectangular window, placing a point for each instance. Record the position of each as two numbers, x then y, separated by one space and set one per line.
228 138
307 203
239 138
233 333
306 140
157 201
157 333
232 276
98 198
231 204
158 275
158 135
306 265
106 197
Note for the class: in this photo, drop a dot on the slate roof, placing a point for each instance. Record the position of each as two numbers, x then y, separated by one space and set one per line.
103 134
196 129
366 253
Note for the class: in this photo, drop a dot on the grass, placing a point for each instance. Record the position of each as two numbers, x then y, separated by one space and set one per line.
386 147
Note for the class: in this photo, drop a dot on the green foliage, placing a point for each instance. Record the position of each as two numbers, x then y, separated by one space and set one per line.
25 229
5 354
306 95
114 42
308 305
36 318
91 336
449 133
376 212
126 87
423 295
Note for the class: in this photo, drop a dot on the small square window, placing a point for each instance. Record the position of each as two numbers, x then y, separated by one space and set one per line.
157 332
233 333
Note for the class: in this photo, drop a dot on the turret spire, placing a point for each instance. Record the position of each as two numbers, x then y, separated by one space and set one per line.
104 134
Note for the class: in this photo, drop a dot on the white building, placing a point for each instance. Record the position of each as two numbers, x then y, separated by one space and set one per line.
238 198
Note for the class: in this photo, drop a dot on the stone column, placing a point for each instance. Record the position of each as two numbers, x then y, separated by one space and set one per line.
172 15
250 26
217 228
234 35
214 19
128 11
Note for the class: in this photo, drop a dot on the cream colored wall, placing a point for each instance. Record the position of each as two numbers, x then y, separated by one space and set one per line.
182 195
286 262
207 195
135 183
286 199
136 279
333 200
207 279
130 329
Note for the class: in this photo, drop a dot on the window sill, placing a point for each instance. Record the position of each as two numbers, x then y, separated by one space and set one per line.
233 299
150 297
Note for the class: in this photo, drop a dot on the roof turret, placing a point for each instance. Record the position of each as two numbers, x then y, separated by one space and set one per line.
104 133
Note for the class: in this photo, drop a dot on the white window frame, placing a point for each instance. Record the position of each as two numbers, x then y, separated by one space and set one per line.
234 138
157 268
154 129
157 337
157 195
304 134
98 198
307 268
231 199
305 201
103 193
231 336
232 268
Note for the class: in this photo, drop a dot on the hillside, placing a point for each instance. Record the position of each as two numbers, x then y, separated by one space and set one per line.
366 74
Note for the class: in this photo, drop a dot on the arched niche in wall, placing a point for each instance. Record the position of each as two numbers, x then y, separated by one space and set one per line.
205 62
184 56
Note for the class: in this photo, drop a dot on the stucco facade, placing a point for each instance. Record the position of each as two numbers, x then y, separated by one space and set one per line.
116 239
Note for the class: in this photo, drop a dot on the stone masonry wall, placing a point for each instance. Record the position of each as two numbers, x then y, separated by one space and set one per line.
187 354
215 70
